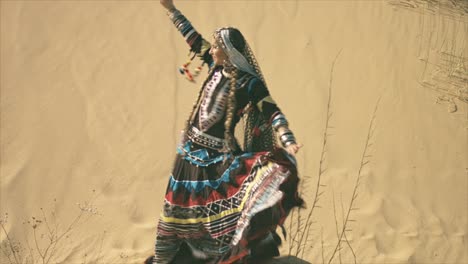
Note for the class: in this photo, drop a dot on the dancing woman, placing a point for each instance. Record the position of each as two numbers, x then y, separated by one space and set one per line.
223 203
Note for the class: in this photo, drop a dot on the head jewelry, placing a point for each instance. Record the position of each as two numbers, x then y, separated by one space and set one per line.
244 62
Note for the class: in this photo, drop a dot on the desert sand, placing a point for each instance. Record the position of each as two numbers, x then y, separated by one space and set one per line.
92 104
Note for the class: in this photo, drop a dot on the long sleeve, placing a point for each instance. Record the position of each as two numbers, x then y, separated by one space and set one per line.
198 45
260 96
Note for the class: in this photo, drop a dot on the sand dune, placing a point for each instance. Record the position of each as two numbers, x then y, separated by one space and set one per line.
92 104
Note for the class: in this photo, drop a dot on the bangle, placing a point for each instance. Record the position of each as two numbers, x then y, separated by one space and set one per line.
278 121
287 138
287 144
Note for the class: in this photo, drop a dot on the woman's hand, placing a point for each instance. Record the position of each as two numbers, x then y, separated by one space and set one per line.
168 4
293 149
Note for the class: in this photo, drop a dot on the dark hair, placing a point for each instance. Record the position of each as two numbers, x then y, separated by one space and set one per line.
237 39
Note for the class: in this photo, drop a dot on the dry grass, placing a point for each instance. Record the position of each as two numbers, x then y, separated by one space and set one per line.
300 227
44 235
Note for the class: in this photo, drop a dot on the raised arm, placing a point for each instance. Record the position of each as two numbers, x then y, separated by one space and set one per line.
198 45
260 96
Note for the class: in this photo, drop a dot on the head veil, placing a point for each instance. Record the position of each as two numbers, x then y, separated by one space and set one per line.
258 132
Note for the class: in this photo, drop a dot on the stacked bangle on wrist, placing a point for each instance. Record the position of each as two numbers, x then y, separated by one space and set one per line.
287 138
184 26
278 121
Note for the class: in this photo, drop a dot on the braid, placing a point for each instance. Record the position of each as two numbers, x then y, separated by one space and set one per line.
248 126
230 109
194 108
252 117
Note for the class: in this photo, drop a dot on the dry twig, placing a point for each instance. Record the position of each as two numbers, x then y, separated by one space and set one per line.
364 161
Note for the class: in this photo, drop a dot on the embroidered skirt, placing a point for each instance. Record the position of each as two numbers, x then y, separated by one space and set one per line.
220 207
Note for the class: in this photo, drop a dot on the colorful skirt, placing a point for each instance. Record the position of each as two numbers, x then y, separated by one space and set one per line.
220 207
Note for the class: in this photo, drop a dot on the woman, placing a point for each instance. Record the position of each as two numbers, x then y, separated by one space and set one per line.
223 204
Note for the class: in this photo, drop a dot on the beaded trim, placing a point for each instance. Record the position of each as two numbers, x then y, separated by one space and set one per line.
206 118
219 39
204 139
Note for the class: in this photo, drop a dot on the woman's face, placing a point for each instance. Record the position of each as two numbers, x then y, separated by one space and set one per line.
217 53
